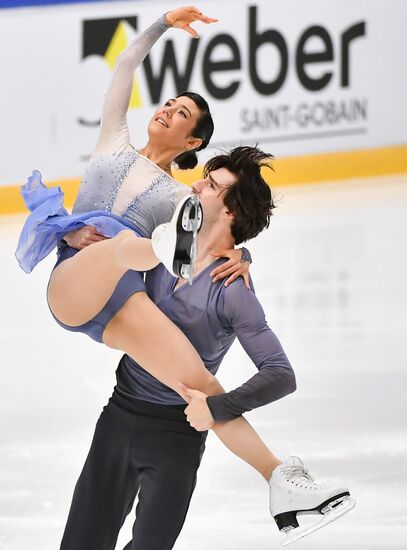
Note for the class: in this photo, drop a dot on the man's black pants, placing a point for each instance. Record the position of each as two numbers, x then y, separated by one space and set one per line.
137 446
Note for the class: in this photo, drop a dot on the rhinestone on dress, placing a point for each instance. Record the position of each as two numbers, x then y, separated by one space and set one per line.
146 209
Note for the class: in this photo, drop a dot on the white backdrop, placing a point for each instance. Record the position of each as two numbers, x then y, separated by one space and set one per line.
52 88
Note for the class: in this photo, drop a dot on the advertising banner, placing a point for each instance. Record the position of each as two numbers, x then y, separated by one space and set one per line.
297 77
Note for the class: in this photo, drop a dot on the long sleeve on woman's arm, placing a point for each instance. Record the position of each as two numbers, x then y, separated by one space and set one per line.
114 133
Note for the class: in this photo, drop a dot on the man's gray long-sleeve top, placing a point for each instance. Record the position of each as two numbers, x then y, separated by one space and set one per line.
212 316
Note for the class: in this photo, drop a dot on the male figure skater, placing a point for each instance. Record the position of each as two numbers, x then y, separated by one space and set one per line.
146 440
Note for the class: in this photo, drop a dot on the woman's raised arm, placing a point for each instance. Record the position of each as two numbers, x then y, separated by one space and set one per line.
114 133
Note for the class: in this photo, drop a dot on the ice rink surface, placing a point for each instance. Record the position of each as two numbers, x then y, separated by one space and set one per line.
331 274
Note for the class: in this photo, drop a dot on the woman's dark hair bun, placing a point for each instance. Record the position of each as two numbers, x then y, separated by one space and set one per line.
186 161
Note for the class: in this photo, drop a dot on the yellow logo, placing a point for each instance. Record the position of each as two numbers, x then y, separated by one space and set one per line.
108 38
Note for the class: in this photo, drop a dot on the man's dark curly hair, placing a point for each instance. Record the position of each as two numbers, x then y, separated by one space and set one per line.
249 199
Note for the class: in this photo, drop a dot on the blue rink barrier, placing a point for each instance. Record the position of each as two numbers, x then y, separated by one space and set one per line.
24 3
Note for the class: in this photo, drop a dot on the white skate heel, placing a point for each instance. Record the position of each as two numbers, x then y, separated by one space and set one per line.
174 243
293 492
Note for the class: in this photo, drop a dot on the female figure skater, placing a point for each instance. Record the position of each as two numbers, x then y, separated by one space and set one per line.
95 291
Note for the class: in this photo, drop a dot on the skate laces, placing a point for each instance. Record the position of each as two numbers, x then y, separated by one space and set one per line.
295 473
292 472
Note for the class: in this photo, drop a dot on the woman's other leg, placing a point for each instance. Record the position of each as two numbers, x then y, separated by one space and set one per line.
80 286
150 338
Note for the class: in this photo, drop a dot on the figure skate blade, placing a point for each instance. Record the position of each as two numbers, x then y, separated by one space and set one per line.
331 512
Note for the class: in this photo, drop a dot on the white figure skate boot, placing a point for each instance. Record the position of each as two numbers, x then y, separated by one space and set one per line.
293 491
174 243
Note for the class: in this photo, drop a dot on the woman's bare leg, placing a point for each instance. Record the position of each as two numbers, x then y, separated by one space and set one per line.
80 286
150 338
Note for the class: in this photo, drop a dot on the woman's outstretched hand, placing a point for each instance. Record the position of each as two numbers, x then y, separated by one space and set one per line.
181 18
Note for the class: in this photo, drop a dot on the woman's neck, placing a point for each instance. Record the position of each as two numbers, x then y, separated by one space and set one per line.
160 157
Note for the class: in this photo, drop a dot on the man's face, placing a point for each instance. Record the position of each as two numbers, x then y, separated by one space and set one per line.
211 192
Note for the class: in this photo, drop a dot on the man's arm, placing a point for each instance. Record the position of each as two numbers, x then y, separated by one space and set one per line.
275 379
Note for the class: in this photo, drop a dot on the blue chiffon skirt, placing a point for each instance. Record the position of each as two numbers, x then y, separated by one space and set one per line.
49 221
